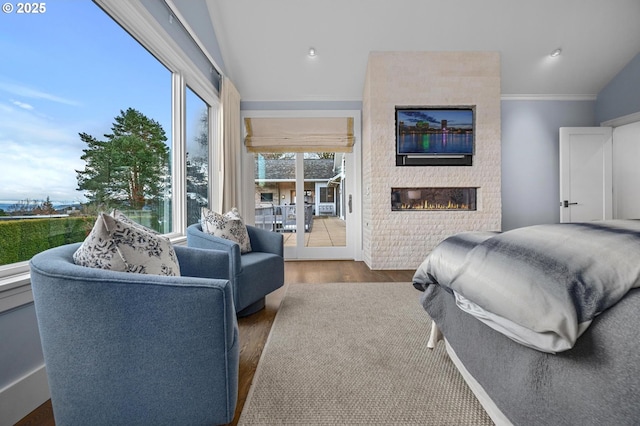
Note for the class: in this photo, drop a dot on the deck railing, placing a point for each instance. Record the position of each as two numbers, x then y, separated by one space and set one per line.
283 218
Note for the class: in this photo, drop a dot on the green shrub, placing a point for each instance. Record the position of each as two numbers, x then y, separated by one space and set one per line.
22 238
10 242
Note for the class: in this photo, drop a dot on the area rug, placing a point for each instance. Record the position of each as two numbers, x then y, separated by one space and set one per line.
356 354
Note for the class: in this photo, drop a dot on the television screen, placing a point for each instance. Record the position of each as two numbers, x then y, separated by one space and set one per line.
434 131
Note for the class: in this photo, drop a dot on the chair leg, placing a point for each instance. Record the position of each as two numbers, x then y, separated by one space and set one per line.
252 308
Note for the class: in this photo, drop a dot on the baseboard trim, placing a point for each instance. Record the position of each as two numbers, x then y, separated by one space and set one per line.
23 396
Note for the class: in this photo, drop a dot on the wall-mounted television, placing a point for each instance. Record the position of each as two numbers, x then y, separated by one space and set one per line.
435 135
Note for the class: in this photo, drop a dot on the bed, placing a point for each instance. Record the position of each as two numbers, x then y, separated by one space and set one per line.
543 321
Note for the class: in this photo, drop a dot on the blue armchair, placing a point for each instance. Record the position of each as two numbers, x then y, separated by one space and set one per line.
123 348
254 274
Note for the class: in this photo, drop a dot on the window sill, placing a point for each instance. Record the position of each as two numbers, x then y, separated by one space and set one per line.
15 291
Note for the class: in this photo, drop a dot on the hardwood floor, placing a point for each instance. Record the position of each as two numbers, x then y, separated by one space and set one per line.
254 329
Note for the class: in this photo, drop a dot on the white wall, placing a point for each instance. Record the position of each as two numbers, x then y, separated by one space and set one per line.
23 381
401 239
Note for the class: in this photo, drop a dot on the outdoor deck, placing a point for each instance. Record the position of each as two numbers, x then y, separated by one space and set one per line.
327 231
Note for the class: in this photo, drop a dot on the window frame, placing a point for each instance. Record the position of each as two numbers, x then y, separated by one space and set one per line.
135 19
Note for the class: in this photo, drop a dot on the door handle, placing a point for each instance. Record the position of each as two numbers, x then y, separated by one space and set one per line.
350 204
566 204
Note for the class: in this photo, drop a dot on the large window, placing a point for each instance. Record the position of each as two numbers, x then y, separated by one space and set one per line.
197 156
89 122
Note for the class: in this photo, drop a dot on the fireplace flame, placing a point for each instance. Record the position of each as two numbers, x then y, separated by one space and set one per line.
462 199
434 206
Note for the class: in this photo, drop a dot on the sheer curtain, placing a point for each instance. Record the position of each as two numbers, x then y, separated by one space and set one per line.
231 148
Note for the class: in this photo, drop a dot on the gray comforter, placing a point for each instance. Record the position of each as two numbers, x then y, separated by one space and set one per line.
540 285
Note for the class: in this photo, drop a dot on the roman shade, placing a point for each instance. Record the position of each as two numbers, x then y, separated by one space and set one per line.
299 134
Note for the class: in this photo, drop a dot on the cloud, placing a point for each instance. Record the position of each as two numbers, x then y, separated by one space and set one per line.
28 92
28 128
39 155
418 115
38 175
22 105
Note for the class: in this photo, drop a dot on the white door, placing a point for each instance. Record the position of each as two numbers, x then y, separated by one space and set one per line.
328 236
585 174
296 200
288 191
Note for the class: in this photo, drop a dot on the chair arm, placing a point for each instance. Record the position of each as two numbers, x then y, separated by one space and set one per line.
265 241
197 238
203 263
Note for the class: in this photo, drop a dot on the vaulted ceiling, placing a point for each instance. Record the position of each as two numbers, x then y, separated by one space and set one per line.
264 44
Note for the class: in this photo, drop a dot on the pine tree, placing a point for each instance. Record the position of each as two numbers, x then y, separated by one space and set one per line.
129 167
46 207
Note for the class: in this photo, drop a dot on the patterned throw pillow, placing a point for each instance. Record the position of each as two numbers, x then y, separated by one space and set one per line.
117 245
229 226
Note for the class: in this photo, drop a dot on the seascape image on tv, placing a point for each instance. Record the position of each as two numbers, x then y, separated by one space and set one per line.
434 131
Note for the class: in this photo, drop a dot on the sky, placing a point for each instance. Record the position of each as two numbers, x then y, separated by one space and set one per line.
454 117
68 70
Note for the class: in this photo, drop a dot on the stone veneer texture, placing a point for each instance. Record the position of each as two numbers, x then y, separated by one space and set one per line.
402 239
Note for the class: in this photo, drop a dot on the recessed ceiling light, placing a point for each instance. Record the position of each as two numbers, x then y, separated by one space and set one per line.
312 52
555 53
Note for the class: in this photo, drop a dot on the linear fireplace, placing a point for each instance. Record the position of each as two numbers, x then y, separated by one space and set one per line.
463 199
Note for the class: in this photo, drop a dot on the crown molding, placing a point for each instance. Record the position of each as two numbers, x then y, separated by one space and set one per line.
621 121
535 97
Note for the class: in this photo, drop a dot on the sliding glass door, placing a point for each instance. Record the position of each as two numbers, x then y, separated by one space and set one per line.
305 197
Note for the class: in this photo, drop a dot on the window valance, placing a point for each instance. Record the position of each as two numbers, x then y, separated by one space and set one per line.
299 134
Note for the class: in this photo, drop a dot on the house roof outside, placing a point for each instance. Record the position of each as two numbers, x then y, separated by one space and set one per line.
320 169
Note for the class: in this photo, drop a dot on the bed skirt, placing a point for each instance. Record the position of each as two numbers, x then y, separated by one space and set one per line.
593 383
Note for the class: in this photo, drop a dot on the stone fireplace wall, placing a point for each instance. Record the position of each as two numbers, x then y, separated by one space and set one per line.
402 239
